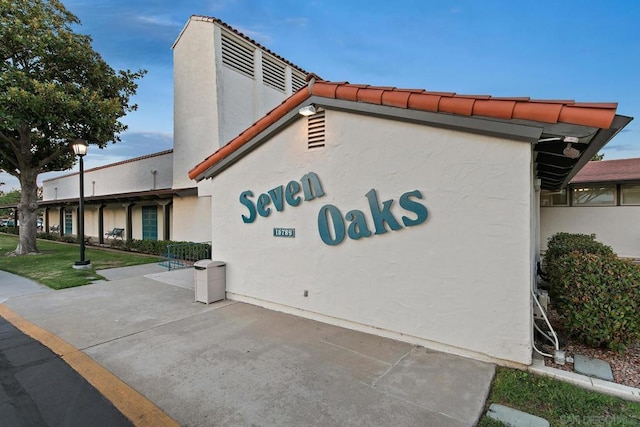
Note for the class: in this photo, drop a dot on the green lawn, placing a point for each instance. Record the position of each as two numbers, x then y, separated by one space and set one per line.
560 403
53 266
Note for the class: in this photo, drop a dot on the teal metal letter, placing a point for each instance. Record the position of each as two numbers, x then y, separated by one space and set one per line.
381 216
293 188
311 186
263 202
323 225
244 199
276 196
358 227
412 206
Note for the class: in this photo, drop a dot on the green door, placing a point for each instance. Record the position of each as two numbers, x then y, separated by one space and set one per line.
149 223
68 222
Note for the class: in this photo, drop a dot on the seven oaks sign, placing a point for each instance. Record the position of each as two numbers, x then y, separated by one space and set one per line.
331 222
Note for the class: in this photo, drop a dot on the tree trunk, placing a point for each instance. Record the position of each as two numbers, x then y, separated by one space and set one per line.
27 212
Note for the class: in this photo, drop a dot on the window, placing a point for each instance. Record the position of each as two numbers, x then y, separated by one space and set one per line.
149 223
630 194
554 198
604 195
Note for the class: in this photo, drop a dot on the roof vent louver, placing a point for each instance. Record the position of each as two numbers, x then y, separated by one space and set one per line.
315 130
297 81
273 73
237 55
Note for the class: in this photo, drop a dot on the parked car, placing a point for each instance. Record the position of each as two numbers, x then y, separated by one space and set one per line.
7 223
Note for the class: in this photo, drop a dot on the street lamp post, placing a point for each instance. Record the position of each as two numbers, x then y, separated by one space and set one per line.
80 149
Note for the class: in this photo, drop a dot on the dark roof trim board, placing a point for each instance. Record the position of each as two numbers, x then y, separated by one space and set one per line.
599 140
133 197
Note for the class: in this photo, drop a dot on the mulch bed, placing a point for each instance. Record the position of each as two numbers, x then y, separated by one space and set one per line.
624 365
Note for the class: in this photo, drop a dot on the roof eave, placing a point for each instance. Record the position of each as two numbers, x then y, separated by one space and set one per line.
602 137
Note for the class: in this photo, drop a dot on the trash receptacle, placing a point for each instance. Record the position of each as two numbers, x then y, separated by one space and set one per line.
211 283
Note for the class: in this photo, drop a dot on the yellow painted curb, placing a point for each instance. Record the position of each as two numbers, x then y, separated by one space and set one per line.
133 405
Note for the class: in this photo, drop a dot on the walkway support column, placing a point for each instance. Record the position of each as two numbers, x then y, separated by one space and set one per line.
166 218
101 224
46 220
128 207
61 212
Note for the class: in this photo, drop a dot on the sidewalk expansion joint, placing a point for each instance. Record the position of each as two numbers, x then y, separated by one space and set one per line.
374 382
355 352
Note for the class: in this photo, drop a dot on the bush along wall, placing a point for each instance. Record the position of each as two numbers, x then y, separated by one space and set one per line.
149 247
597 293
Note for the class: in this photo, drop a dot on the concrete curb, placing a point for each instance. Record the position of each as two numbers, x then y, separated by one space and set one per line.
594 384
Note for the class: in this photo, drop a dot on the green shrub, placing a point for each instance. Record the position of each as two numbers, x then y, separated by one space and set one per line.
599 297
152 247
561 244
10 230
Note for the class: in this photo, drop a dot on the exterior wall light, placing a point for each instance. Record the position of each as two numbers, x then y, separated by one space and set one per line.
307 111
569 151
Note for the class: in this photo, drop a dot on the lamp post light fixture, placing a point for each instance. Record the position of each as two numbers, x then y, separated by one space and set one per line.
80 147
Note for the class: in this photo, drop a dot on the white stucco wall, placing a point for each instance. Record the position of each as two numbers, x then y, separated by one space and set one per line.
191 219
613 225
212 102
458 282
195 114
118 178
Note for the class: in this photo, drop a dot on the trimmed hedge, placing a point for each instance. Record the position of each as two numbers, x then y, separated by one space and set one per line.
9 230
561 244
599 297
151 247
597 293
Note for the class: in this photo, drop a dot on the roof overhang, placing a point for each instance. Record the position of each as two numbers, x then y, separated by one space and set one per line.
132 197
552 167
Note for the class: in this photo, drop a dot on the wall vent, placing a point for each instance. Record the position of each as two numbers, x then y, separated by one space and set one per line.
315 130
297 81
237 55
273 73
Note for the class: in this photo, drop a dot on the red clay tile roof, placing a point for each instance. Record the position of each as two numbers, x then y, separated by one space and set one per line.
609 171
598 115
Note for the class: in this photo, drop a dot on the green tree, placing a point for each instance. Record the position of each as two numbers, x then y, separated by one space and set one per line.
8 198
597 157
54 88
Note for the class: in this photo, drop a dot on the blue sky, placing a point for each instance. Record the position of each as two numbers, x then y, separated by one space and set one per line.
588 51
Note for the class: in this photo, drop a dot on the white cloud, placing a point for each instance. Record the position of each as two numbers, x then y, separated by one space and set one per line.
160 20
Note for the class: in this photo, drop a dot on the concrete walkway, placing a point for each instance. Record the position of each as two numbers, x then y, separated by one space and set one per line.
231 363
12 286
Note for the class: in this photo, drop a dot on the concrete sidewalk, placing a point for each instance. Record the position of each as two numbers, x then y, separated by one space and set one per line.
231 363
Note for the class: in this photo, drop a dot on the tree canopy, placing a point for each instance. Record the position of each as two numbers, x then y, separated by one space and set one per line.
54 88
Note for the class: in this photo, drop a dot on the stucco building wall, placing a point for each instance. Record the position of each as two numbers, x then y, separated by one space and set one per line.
129 176
459 281
615 226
